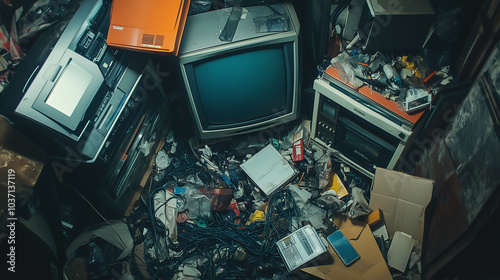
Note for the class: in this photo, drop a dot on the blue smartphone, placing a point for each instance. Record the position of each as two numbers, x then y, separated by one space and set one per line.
343 248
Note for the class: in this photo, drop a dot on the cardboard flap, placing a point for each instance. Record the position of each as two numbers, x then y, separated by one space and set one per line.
365 269
378 271
403 186
371 264
406 212
318 271
351 228
402 199
416 190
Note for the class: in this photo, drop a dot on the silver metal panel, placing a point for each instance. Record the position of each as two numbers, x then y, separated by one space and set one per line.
66 43
203 30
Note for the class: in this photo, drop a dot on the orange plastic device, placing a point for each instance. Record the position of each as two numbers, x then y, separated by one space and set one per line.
148 25
377 97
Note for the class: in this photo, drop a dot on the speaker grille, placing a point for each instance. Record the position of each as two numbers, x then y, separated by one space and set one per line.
148 39
159 40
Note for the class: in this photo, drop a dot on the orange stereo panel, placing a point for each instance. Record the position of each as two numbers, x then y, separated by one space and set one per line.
148 25
377 97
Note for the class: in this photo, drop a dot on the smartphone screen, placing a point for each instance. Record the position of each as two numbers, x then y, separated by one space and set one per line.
343 248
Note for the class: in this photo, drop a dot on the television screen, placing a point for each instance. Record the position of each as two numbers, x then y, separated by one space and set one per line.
242 88
245 85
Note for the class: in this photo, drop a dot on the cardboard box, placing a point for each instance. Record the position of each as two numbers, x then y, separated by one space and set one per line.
370 266
403 199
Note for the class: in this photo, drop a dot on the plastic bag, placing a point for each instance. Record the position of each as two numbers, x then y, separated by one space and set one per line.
199 207
358 206
299 195
95 262
315 215
346 72
330 201
323 169
199 6
272 23
165 205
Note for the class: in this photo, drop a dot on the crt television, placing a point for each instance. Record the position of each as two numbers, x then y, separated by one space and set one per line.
245 83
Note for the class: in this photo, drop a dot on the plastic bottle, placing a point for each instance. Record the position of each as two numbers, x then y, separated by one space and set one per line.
392 74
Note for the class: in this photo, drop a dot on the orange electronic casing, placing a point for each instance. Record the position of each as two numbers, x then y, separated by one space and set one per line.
148 25
377 97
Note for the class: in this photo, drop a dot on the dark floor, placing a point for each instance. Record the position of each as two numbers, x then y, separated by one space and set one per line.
481 259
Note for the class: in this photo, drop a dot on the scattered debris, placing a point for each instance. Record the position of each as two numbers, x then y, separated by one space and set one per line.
231 210
410 80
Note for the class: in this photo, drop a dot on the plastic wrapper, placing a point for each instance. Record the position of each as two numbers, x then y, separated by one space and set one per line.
196 204
155 246
162 160
308 212
198 207
323 170
362 58
358 206
166 211
95 262
329 201
194 179
272 23
202 201
170 137
189 269
299 195
346 71
191 180
199 6
41 15
157 177
288 140
315 215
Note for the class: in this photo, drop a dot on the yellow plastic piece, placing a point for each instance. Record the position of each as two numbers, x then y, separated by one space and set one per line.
338 186
257 216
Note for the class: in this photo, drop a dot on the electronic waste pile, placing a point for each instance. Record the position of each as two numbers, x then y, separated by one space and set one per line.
207 218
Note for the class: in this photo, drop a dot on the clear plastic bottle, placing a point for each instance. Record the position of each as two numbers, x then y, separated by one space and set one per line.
392 74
